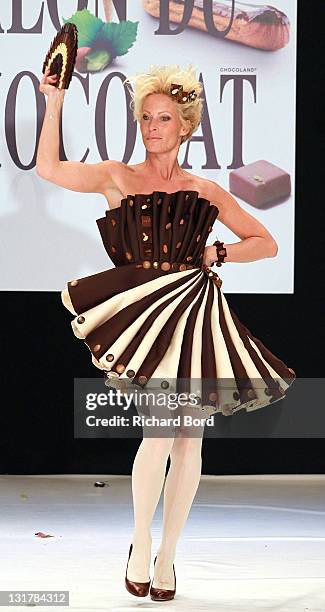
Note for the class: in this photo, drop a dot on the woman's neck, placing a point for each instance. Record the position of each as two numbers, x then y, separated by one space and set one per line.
163 168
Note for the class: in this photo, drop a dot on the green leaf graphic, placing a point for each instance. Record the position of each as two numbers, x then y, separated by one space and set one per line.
121 36
106 39
88 26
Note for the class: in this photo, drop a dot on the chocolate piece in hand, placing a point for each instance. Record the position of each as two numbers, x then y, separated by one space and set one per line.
259 183
61 57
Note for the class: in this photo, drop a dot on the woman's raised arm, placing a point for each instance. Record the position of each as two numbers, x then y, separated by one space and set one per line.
74 175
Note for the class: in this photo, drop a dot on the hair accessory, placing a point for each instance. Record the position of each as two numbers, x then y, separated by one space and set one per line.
221 252
176 92
61 57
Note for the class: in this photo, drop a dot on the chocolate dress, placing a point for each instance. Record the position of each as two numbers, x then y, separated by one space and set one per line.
159 317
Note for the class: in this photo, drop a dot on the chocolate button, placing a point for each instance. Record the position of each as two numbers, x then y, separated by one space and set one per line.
142 380
146 264
96 347
81 319
165 265
182 267
120 368
74 283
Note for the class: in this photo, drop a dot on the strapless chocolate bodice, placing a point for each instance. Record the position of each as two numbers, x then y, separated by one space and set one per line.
160 226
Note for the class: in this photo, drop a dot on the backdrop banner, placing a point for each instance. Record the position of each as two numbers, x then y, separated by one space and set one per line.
245 57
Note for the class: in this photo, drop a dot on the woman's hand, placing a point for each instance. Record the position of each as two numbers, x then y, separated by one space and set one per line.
46 85
209 256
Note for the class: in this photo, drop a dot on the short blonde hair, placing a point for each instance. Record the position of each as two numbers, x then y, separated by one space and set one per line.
159 80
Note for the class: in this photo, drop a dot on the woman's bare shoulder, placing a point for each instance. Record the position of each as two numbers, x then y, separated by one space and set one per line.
124 173
213 191
206 188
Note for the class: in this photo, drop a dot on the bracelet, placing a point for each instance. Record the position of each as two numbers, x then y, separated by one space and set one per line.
221 252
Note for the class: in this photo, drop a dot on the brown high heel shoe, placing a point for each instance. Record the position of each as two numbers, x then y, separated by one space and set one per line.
162 594
139 589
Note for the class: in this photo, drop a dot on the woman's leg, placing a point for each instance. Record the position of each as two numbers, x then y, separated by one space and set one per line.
180 488
148 475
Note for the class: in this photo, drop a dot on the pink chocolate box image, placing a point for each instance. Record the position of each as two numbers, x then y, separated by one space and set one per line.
259 182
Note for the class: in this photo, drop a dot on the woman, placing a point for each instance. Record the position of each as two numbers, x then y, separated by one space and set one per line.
160 312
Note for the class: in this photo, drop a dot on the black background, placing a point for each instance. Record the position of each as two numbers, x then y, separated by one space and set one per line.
40 355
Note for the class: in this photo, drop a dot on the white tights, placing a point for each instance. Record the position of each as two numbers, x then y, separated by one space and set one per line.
148 476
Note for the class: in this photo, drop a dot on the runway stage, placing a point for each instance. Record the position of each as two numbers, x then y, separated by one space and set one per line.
251 543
